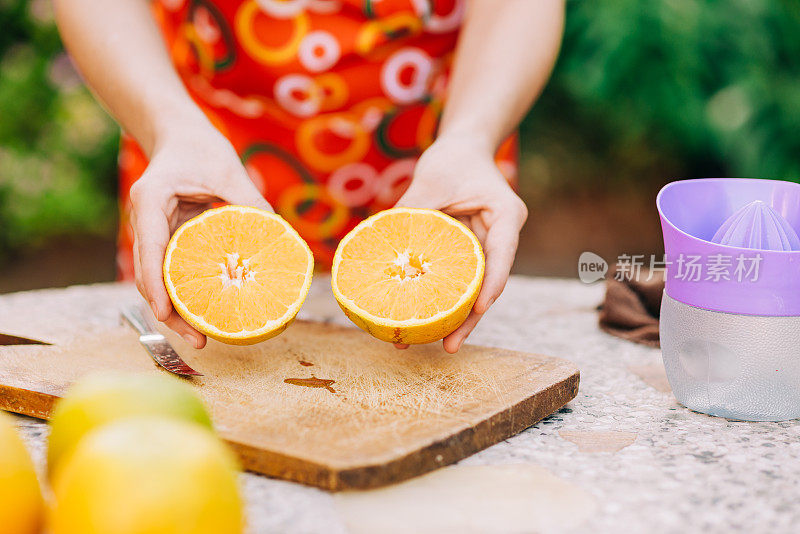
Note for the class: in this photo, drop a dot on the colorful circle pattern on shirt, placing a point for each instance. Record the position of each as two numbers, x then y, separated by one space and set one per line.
328 102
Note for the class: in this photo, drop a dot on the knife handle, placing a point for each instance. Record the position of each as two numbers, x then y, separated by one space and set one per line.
139 320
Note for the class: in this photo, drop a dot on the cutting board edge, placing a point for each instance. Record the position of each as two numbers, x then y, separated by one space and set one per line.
522 395
26 401
439 453
494 429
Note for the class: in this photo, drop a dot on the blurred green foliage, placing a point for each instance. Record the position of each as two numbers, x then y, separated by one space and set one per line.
643 92
57 146
700 88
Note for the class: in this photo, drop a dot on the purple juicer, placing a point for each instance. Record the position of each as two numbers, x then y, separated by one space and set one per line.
730 316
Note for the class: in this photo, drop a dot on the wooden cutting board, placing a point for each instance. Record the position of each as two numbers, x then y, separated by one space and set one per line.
387 415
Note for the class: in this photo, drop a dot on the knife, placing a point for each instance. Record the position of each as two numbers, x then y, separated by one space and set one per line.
155 342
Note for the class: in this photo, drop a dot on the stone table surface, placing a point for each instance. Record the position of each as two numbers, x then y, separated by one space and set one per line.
624 456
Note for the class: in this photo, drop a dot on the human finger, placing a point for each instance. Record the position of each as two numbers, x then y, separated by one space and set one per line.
500 248
176 323
151 229
452 342
239 189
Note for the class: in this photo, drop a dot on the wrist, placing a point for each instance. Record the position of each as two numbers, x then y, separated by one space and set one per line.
176 123
471 129
474 141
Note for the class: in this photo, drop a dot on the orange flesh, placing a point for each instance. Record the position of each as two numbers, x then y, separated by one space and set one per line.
238 271
407 266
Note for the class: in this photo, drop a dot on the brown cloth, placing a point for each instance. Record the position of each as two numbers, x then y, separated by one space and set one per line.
631 308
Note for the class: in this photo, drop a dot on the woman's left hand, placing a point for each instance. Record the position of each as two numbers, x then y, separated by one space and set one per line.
458 176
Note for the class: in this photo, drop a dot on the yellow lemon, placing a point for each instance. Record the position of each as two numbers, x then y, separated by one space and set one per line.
238 274
148 475
104 397
408 275
21 505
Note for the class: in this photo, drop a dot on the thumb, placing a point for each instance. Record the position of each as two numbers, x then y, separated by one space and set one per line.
417 197
241 190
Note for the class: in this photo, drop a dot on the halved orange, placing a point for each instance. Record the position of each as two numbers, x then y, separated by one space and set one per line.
408 275
238 274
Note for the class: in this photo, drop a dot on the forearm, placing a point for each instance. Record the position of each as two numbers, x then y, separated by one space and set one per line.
120 52
505 54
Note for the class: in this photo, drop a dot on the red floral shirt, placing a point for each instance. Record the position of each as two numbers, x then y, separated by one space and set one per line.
328 102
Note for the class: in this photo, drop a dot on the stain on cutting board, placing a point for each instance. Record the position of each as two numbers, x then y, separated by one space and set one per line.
312 382
8 339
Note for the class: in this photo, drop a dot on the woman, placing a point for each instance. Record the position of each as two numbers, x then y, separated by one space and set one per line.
325 110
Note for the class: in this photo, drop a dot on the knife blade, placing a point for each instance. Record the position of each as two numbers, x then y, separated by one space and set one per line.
155 342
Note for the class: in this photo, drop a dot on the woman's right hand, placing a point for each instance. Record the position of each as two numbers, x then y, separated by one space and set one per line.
191 163
191 166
